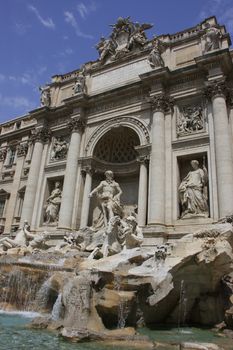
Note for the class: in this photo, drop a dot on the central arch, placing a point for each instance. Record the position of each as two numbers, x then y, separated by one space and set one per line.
129 122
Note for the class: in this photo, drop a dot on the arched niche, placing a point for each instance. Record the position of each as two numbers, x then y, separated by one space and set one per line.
115 151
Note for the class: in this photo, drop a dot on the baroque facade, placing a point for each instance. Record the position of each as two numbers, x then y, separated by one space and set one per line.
157 113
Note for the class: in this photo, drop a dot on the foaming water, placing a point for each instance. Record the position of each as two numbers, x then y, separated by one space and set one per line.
26 314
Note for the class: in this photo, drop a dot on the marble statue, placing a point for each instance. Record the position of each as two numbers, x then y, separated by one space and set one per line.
155 59
132 232
45 97
22 238
108 193
59 150
212 37
80 83
190 120
118 235
125 37
39 241
105 47
53 204
192 192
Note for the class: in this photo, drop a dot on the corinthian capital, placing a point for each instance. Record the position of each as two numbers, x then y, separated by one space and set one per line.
161 103
42 135
77 124
215 89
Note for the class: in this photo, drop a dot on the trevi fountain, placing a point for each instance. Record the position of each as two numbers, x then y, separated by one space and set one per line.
116 199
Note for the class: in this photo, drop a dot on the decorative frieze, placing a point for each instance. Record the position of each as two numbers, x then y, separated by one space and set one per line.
103 106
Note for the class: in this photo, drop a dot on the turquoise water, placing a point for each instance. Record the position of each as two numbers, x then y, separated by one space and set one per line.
14 335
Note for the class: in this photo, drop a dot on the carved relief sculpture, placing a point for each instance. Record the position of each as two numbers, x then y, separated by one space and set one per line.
155 59
190 120
60 149
53 204
45 97
212 38
193 192
108 193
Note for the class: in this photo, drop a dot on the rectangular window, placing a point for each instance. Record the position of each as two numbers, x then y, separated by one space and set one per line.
2 206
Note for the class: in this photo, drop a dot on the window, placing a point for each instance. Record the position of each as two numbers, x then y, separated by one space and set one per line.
2 207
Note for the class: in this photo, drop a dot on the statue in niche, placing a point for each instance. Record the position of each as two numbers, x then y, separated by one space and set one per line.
80 83
59 150
155 59
212 37
108 193
191 120
53 204
45 97
193 192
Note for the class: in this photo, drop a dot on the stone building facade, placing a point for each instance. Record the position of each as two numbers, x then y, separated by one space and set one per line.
158 113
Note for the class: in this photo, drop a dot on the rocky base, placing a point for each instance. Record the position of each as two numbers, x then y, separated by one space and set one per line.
190 282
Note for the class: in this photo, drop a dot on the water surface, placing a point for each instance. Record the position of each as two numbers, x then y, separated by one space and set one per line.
14 335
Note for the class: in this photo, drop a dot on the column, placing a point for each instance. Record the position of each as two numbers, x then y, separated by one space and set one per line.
40 137
142 192
86 198
21 154
65 217
223 147
160 105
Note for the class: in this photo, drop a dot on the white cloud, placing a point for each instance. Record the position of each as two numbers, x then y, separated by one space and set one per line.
29 78
48 23
21 28
70 19
15 101
84 10
2 77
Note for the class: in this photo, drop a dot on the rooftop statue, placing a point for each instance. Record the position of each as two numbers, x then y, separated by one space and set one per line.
212 37
80 83
155 59
45 97
126 36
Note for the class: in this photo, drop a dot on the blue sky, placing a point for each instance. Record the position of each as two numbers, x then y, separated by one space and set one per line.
41 38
